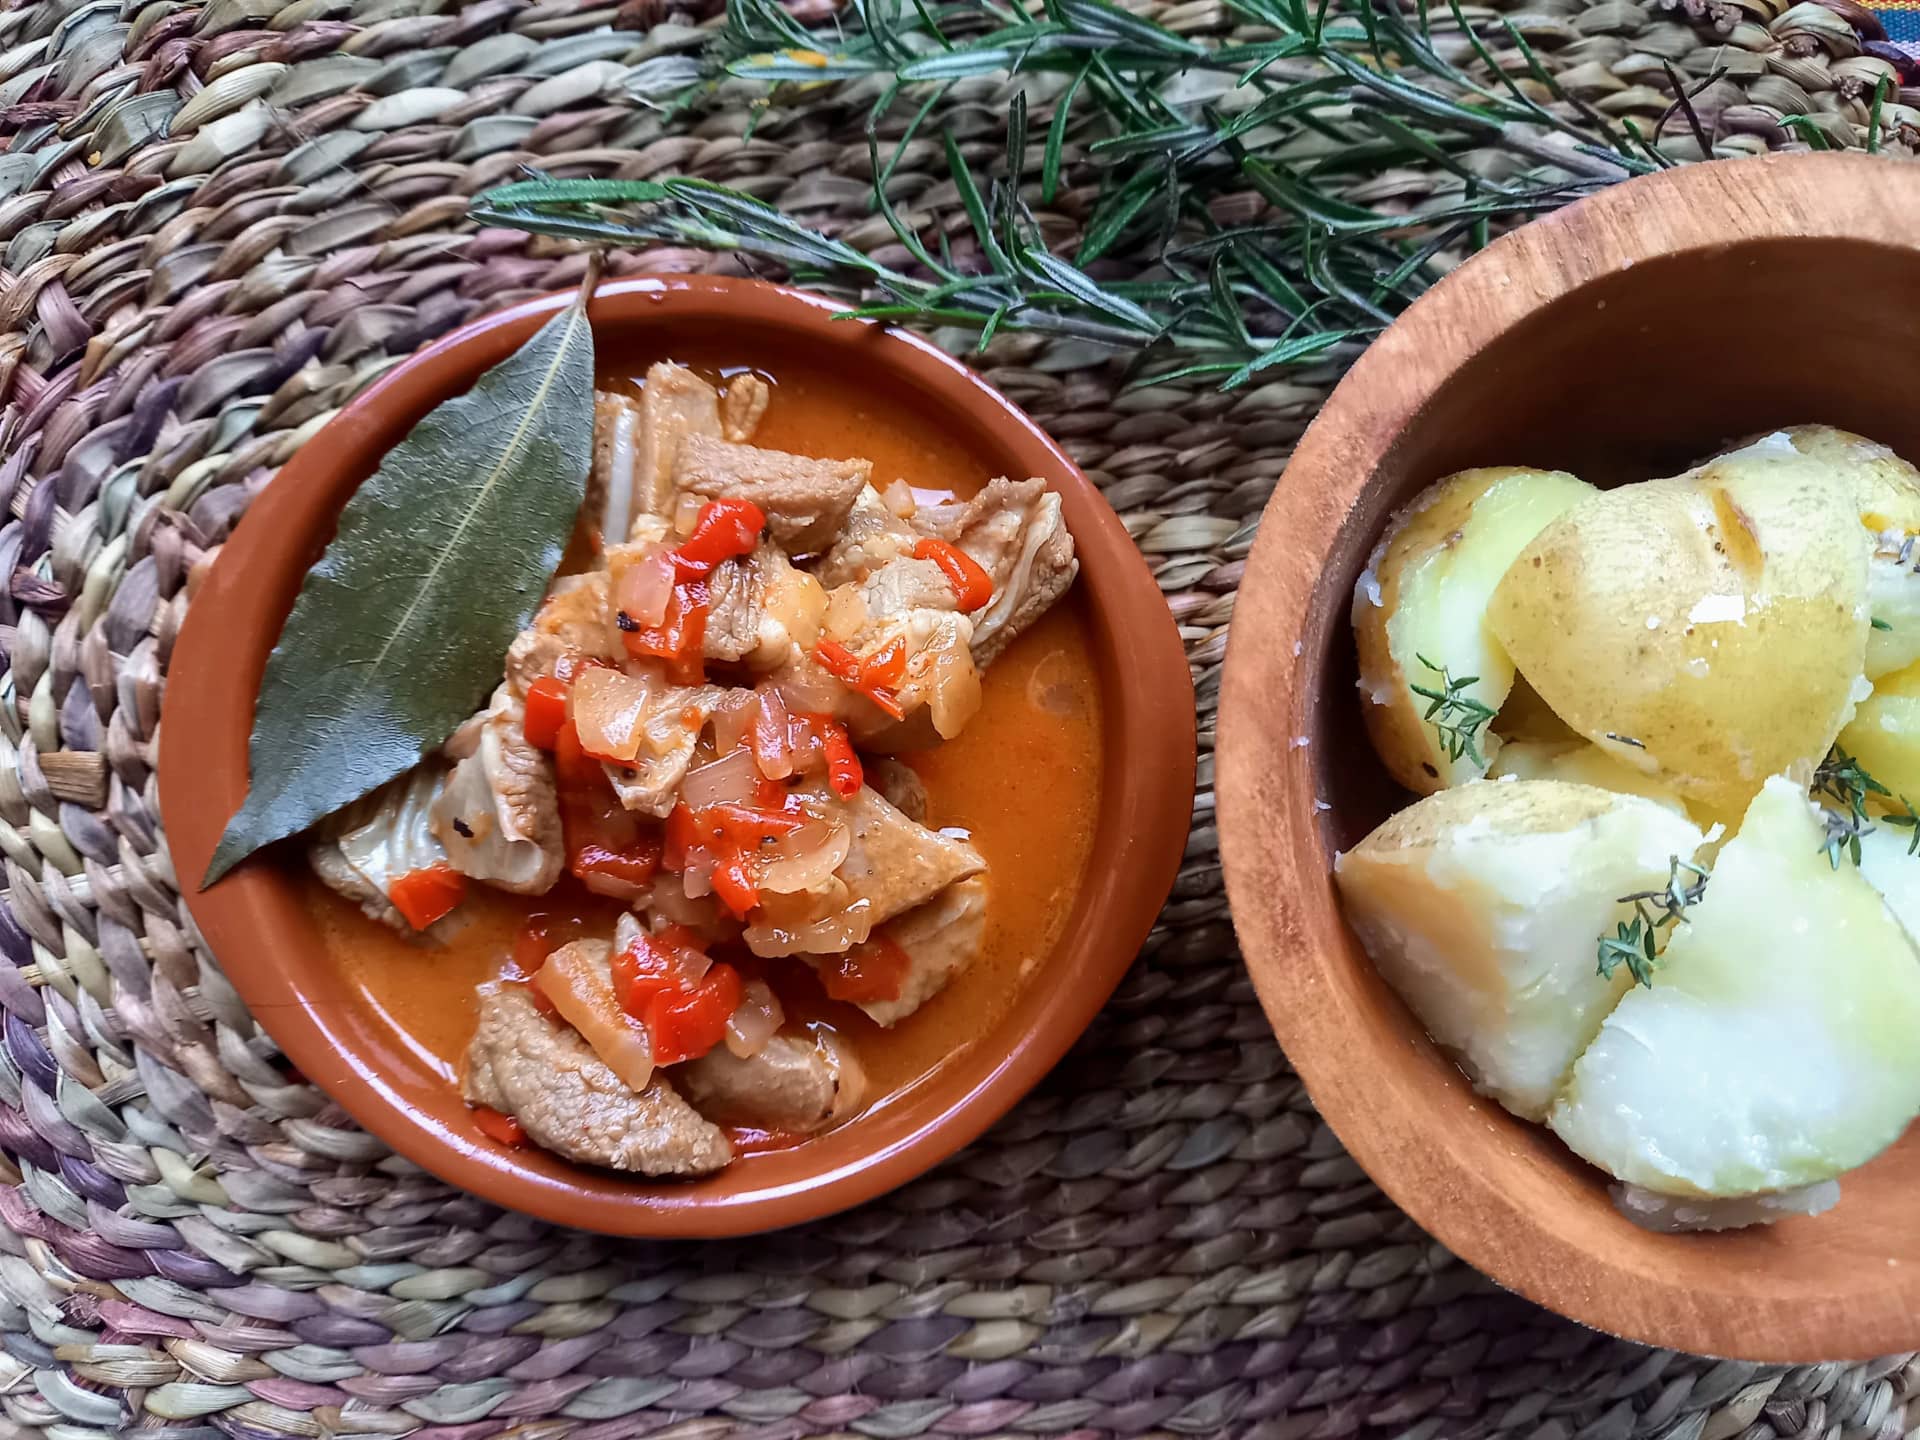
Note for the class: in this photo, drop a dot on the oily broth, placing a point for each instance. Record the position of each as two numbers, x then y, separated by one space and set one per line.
1023 780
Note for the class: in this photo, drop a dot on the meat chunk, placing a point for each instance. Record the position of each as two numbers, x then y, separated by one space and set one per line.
941 938
900 785
670 729
360 851
499 815
906 584
870 536
572 621
941 687
675 404
548 1078
892 865
1014 529
806 500
734 590
796 1083
742 406
616 434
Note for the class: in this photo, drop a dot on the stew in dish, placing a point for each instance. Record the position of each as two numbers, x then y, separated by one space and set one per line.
779 800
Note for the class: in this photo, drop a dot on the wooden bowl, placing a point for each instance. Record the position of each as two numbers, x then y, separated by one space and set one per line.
254 921
1621 339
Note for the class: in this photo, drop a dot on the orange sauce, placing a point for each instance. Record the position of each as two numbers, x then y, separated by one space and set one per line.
1023 780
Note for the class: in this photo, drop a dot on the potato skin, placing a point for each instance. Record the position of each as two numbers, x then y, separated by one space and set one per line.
1711 627
1424 593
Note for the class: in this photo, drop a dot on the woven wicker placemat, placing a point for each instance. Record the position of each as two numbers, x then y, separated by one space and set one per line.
219 221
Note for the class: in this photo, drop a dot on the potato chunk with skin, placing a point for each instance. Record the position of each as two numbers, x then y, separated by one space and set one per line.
1775 1047
1884 733
1710 627
1424 594
1484 905
1888 492
1579 762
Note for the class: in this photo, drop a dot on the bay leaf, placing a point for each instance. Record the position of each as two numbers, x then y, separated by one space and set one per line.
442 556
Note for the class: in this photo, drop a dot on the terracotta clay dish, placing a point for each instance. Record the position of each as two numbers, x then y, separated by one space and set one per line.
1623 338
1074 779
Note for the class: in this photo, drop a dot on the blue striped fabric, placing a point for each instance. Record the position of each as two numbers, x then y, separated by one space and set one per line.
1903 23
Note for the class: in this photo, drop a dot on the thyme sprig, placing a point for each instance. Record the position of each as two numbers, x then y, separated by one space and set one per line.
1299 106
1457 718
1845 781
1635 943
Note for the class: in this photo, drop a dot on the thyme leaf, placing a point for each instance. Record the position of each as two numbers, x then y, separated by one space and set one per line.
1457 718
1635 943
1846 782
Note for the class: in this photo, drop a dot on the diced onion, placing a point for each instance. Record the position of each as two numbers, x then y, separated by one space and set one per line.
733 720
728 780
811 691
787 925
669 900
581 991
696 881
899 499
755 1021
771 735
609 712
642 589
804 859
626 930
687 512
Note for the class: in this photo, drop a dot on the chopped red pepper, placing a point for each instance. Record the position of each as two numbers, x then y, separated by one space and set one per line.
746 825
680 637
687 1025
645 969
735 883
875 970
619 872
608 848
843 766
723 530
572 766
496 1126
683 837
838 661
768 794
849 669
971 585
546 711
424 895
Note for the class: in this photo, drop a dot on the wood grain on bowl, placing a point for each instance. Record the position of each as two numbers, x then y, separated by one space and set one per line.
1623 338
331 1024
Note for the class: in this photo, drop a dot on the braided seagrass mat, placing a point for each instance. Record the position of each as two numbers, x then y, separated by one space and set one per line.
221 220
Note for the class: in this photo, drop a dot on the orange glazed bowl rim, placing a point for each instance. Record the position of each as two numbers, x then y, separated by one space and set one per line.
256 927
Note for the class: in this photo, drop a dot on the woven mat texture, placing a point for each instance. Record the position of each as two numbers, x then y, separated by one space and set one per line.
221 220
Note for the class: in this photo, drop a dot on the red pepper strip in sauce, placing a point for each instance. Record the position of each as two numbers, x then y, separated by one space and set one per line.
630 866
886 667
875 969
646 968
749 1140
686 1025
425 895
723 530
679 638
850 670
499 1127
546 711
734 881
843 766
971 584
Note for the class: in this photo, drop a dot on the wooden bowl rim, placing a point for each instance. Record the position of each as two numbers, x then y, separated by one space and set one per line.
1276 852
253 923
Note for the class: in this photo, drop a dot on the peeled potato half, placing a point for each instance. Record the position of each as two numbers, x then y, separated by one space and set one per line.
1484 905
1776 1045
1423 598
1710 628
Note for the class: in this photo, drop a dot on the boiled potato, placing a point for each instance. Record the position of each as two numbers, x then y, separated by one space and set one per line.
1776 1045
1579 762
1484 905
1709 628
1884 733
1887 864
1887 489
1423 599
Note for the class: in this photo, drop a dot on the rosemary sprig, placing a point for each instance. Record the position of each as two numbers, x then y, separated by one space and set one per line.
1163 125
1635 943
1845 781
1457 718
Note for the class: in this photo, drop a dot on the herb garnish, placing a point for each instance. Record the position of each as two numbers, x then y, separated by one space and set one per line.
1457 718
1634 943
1877 623
1845 781
441 557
